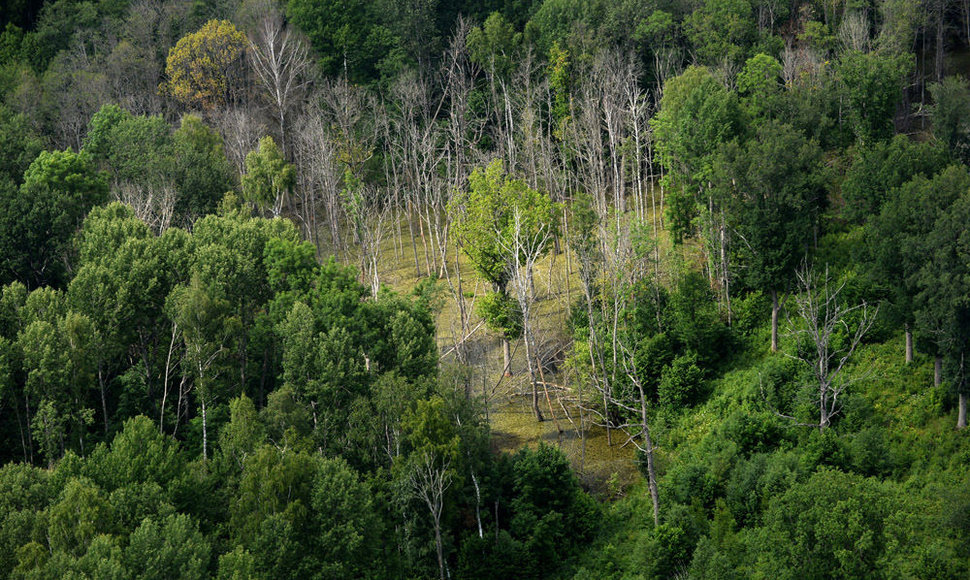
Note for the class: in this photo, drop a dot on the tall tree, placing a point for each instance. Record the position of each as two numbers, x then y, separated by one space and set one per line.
282 64
896 242
774 187
944 307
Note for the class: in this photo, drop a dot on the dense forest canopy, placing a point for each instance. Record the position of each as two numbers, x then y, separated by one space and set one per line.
272 272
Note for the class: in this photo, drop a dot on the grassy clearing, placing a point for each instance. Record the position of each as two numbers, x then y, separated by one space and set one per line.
508 401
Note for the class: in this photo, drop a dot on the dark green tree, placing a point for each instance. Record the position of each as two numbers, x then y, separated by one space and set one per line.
38 220
949 113
882 166
897 247
944 297
872 84
774 184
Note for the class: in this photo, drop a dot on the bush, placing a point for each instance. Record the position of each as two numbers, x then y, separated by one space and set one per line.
666 552
680 382
753 432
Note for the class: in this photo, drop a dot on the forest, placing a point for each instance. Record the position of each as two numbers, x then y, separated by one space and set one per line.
588 289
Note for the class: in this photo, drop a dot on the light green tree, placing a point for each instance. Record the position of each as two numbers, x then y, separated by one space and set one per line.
268 178
503 226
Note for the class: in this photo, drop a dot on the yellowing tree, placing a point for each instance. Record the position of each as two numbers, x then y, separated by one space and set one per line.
205 67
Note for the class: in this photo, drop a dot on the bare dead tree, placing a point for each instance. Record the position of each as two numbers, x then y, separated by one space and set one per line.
133 75
430 479
368 214
630 415
419 144
282 64
527 246
76 87
464 130
789 63
854 32
346 108
241 131
827 336
586 146
353 132
318 178
154 205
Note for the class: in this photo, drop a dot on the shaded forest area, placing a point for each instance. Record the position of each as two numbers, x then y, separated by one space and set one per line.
756 209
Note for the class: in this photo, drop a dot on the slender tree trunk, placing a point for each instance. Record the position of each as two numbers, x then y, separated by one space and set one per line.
104 398
937 371
939 39
774 321
506 357
168 367
909 344
20 425
30 439
545 389
962 411
532 378
205 433
437 541
962 404
725 277
414 241
651 468
478 506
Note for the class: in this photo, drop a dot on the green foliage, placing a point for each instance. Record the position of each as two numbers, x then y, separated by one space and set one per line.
776 197
171 548
494 45
877 169
37 221
872 85
665 551
550 511
896 238
721 31
78 515
268 176
833 525
554 22
132 149
693 320
496 212
697 116
501 313
202 170
942 305
139 454
680 382
949 114
346 521
347 35
759 82
19 145
116 336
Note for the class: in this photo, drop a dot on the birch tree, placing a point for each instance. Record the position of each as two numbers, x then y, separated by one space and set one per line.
282 64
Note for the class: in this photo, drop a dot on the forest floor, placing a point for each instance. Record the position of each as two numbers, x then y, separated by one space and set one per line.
508 399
